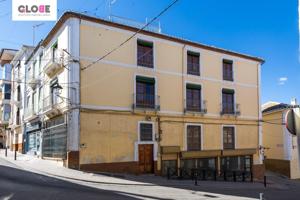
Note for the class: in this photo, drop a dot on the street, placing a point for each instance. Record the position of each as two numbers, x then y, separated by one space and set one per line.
33 178
18 184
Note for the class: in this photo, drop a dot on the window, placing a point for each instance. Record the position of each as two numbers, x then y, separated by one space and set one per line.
40 62
236 163
18 117
7 91
227 101
193 138
145 92
146 132
228 138
6 112
227 70
19 93
193 63
145 53
193 97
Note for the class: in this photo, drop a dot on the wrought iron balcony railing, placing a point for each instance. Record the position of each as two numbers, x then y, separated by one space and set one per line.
146 101
199 107
230 109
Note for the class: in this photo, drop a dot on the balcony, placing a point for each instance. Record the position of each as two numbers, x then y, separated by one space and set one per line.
230 109
54 62
146 102
4 101
52 106
30 114
33 81
16 102
195 109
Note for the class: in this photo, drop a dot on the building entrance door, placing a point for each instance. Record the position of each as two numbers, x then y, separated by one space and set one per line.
146 163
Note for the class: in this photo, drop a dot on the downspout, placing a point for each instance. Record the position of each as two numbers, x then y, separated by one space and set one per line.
260 145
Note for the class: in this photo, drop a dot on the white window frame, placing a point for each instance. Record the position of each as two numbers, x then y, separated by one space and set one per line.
233 70
155 86
201 136
185 98
136 144
234 97
195 50
222 135
146 39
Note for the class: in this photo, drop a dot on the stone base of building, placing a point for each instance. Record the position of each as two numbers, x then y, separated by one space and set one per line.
17 147
258 171
279 166
119 167
72 160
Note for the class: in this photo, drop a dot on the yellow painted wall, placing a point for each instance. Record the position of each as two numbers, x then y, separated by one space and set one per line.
109 84
273 136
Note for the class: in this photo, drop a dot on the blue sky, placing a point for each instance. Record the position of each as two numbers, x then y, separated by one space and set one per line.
264 28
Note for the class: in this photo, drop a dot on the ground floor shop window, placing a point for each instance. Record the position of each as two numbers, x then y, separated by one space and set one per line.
236 163
55 142
187 165
171 164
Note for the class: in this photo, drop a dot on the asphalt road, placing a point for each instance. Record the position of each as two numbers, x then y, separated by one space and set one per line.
16 183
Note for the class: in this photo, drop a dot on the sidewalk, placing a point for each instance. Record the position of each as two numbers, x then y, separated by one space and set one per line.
147 184
56 169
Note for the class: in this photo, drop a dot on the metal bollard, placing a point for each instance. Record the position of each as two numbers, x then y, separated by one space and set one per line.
234 176
251 175
196 178
215 175
15 155
225 179
168 173
204 175
243 175
5 151
261 196
265 181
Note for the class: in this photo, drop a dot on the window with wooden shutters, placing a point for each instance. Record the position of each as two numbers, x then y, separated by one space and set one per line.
193 138
145 92
146 132
193 98
227 101
193 63
228 138
145 54
227 70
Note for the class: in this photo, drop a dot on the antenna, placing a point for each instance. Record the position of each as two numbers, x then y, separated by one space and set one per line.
33 32
111 2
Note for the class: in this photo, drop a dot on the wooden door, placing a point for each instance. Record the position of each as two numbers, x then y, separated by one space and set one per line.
146 163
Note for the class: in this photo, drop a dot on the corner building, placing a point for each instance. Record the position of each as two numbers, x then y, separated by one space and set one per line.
157 102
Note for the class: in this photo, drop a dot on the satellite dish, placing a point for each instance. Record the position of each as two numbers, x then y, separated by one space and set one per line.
290 122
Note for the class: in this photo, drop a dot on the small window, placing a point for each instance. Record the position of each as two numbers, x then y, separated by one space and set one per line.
193 97
7 91
193 138
228 138
227 101
193 63
146 132
145 92
227 70
145 54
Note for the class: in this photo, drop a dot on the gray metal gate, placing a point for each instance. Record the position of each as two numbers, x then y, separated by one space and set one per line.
55 142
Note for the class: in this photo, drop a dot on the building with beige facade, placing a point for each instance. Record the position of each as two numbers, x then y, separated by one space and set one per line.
281 149
157 102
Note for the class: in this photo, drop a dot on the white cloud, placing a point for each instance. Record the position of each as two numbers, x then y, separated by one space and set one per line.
282 80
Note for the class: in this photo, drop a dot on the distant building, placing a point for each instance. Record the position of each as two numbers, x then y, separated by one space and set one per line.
6 55
16 124
281 154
